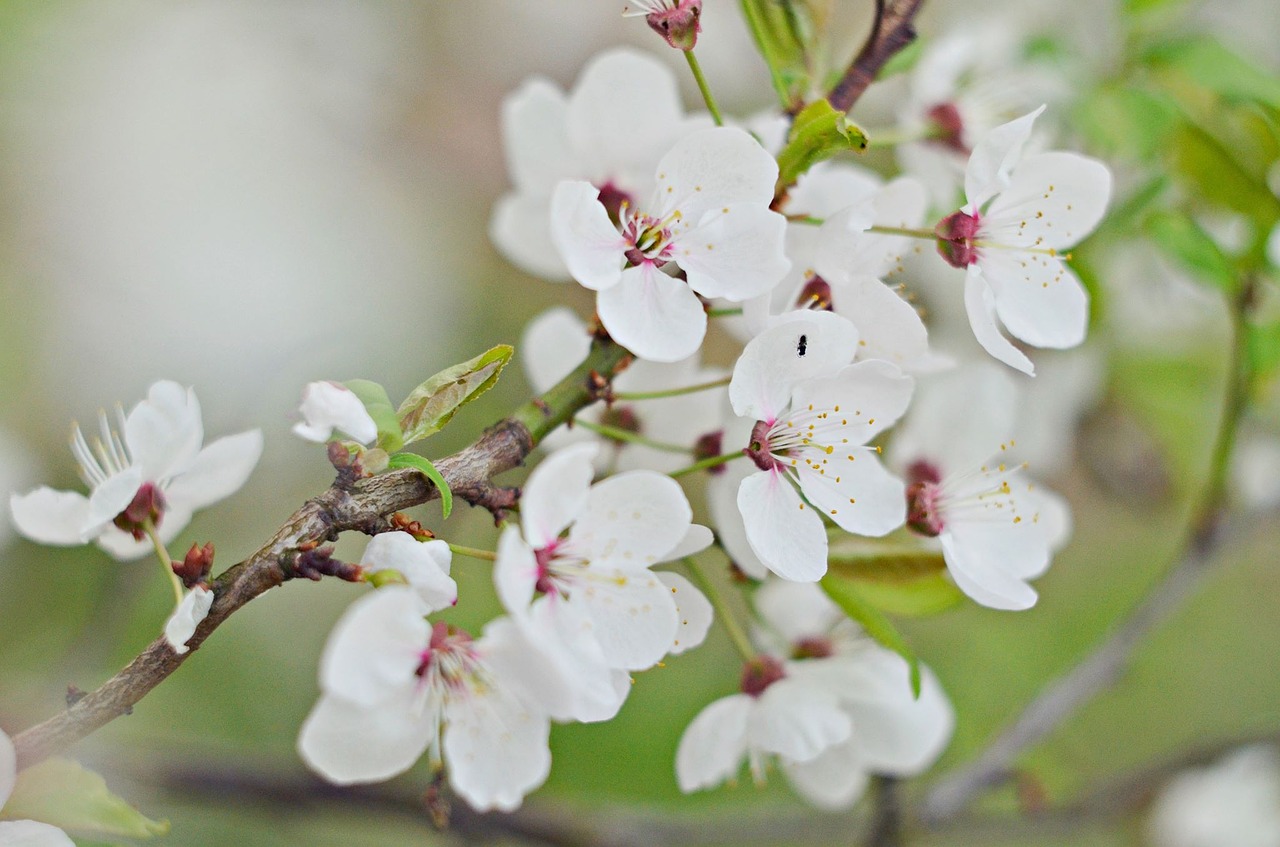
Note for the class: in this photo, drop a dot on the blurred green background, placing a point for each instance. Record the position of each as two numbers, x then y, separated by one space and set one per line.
245 196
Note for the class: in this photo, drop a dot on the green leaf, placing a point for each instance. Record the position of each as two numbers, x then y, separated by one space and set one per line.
1120 121
1209 63
848 596
1183 239
819 132
422 465
67 795
902 61
784 36
1215 174
378 405
901 579
1262 345
911 598
431 405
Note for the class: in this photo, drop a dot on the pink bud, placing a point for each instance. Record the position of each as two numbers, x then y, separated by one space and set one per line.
956 233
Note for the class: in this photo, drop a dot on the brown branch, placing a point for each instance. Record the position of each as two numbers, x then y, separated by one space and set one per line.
892 30
363 506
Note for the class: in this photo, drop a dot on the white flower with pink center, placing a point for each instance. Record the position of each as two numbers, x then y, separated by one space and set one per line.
1020 213
709 217
997 527
394 687
814 414
579 579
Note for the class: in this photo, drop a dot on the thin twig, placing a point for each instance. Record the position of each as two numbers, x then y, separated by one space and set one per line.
893 29
363 506
885 828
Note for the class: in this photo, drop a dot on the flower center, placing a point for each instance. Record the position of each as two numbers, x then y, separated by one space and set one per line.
815 647
759 673
144 510
957 234
947 127
558 568
649 237
614 200
816 295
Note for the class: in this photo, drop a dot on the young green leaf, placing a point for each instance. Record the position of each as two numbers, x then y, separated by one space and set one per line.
1183 239
819 132
67 795
423 466
847 595
430 406
378 405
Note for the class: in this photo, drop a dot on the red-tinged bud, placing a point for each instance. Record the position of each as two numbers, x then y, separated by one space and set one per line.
403 523
815 295
758 448
708 446
146 509
677 21
623 418
956 234
319 562
196 566
813 648
947 127
759 673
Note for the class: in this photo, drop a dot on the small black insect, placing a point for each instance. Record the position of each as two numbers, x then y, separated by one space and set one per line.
802 346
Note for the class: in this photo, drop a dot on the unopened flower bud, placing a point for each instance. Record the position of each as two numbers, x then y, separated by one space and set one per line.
708 446
403 523
956 233
759 673
196 566
677 21
948 127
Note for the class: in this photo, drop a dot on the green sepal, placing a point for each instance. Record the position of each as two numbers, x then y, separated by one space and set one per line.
847 595
1182 238
386 576
819 132
68 795
430 406
378 405
423 466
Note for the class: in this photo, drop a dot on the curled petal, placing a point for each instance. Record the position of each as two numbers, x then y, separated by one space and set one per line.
327 406
694 610
49 516
589 244
164 431
994 157
980 306
183 622
425 564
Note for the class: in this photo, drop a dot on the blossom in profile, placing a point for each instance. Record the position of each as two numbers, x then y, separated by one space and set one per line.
708 218
1020 213
150 471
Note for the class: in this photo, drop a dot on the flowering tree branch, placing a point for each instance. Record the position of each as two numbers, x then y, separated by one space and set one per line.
363 505
892 30
1098 671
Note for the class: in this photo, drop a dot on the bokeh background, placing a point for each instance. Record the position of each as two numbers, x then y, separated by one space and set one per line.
245 195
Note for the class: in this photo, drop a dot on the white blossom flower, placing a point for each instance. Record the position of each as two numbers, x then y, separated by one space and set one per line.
425 564
1235 802
596 598
814 414
709 215
557 341
327 406
1020 212
394 687
611 130
152 468
22 833
996 527
186 617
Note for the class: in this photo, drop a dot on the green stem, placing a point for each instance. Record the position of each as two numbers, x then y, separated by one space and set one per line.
894 137
573 393
723 613
703 464
672 392
474 552
166 561
629 437
723 313
703 87
926 234
764 43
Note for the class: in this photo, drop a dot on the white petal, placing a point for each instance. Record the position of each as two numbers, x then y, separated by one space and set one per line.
797 720
49 516
735 252
495 749
520 227
694 610
862 497
980 306
833 781
218 471
346 743
795 610
889 326
799 346
982 578
109 499
867 396
1038 298
1054 200
633 616
556 493
1054 514
592 249
164 432
183 622
554 343
904 736
722 502
829 187
632 520
844 247
515 571
32 834
653 315
424 563
327 406
697 539
713 168
376 647
713 745
951 442
784 532
535 138
8 767
994 157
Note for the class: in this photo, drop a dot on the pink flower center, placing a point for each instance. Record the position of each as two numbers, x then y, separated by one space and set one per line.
816 295
758 448
815 647
448 657
923 495
957 234
146 508
947 127
614 200
649 237
759 673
